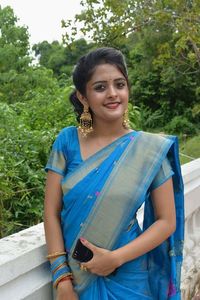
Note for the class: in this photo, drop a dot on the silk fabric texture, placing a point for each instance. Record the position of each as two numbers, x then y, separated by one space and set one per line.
101 197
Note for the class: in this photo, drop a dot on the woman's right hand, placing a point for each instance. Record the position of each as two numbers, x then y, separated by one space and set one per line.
65 291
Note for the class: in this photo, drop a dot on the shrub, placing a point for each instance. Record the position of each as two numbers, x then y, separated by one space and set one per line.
180 125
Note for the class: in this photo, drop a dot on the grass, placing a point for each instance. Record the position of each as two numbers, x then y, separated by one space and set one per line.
189 149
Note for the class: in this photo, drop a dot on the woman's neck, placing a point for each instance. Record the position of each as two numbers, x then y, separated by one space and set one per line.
109 130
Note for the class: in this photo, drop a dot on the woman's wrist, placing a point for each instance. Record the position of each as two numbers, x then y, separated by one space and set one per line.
65 285
117 258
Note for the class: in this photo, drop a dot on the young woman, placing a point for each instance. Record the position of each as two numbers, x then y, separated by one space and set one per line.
98 177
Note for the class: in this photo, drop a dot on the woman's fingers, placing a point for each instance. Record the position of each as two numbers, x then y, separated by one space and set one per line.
89 245
101 263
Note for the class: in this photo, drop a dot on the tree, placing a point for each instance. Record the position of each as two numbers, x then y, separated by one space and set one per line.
161 41
14 42
14 56
51 56
33 108
109 22
59 58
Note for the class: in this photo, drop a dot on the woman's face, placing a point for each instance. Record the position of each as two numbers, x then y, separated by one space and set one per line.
107 93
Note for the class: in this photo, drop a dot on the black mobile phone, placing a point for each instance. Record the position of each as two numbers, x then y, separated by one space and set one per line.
81 252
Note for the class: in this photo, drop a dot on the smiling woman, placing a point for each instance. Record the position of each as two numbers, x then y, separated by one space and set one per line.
107 96
98 177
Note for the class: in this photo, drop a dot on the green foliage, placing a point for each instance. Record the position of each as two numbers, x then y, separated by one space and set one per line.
14 56
180 125
106 22
134 116
196 112
34 106
110 22
27 132
14 40
190 149
15 87
161 41
150 120
59 58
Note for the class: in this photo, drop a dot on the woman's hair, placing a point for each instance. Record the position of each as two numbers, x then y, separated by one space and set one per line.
85 68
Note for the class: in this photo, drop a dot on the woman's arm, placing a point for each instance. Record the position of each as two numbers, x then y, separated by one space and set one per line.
52 208
52 226
104 261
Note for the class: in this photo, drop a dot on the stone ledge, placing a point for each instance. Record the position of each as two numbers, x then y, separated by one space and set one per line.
24 266
37 281
191 170
191 178
22 252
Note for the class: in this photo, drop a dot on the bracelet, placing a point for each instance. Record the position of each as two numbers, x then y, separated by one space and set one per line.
57 262
59 267
56 254
60 273
68 277
61 277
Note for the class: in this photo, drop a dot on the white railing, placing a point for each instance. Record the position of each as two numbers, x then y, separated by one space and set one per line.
191 263
24 271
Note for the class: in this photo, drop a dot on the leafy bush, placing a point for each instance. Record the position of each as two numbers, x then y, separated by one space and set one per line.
196 112
150 119
180 125
134 116
27 132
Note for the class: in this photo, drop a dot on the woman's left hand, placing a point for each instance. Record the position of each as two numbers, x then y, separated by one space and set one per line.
104 261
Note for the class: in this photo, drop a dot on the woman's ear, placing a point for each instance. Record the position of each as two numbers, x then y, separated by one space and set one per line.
81 98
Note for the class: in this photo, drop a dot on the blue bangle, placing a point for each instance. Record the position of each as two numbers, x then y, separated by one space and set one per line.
60 272
59 261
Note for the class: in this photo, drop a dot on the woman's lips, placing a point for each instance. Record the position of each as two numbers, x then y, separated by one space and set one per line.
112 105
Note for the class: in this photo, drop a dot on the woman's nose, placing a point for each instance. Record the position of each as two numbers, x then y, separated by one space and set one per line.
112 91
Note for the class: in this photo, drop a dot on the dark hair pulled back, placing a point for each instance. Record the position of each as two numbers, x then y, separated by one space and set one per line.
85 68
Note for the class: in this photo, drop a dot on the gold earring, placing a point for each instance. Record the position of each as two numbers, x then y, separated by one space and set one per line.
126 121
85 122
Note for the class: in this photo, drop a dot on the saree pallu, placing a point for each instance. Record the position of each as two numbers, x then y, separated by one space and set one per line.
100 200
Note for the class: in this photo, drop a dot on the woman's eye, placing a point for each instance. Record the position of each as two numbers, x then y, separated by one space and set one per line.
99 88
120 85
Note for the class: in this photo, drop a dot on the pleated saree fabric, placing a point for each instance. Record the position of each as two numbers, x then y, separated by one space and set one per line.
101 197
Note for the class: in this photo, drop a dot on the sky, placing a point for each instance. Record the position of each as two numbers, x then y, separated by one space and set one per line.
43 17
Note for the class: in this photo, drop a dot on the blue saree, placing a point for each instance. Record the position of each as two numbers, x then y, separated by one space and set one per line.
101 197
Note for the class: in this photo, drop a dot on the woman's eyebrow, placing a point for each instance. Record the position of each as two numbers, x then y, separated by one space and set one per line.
104 81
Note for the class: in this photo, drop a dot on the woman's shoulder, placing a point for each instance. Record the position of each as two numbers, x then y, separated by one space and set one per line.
67 132
66 136
158 138
157 135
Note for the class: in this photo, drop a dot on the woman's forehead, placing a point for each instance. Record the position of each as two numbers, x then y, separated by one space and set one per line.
105 72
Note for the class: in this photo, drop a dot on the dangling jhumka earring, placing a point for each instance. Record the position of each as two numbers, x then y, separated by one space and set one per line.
126 121
85 122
